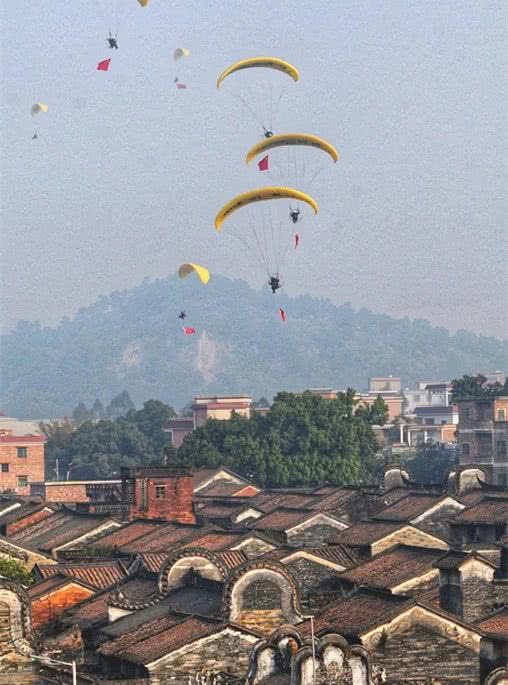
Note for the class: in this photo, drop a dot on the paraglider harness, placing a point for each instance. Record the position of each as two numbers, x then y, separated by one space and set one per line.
294 215
111 41
268 133
182 315
274 283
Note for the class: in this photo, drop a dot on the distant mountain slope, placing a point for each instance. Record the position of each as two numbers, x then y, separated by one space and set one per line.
133 339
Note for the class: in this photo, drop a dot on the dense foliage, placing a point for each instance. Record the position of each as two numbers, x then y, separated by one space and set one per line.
476 387
119 406
431 462
98 449
10 568
303 440
133 339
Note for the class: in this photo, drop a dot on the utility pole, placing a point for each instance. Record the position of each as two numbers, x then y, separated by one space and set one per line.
313 650
55 662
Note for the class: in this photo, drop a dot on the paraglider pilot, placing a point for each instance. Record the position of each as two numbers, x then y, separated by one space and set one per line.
294 215
274 283
111 41
268 133
182 315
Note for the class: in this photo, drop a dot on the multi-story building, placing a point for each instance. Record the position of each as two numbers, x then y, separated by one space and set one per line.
483 434
205 407
21 461
220 407
427 395
381 384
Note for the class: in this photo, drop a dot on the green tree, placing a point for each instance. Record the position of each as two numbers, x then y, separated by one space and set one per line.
431 462
303 440
10 568
476 387
376 414
120 405
58 437
98 449
98 410
82 414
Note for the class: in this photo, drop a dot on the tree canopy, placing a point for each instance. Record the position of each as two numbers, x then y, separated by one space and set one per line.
302 440
98 449
476 387
13 569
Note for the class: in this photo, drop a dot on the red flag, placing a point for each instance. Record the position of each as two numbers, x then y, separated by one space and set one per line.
263 164
297 240
282 314
104 65
188 330
181 86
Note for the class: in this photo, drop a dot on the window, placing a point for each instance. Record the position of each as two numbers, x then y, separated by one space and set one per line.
22 451
5 468
501 448
501 415
429 422
465 413
22 481
466 449
160 492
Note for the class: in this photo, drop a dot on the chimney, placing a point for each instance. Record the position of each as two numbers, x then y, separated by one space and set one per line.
159 492
465 585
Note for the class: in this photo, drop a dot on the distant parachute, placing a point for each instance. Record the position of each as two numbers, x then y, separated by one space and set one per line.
259 84
143 3
189 268
179 53
38 108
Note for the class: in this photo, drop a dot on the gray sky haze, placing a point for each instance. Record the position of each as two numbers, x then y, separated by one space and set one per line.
128 173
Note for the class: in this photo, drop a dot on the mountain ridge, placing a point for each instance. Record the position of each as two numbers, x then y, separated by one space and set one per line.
133 339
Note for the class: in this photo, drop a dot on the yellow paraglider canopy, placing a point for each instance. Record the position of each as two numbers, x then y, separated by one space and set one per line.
267 193
38 107
180 52
291 139
188 268
266 62
143 3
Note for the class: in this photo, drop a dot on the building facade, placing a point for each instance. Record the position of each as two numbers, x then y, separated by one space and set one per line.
21 461
483 434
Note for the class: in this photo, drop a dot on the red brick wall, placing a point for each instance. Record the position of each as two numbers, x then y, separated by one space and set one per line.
66 492
175 506
48 607
26 521
31 466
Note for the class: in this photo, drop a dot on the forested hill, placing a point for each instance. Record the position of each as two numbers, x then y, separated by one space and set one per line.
134 340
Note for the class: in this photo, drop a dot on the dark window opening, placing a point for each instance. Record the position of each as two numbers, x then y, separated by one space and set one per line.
22 452
5 468
160 492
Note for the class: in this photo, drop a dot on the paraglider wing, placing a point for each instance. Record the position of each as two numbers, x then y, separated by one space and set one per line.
189 268
266 62
291 139
103 65
180 52
37 108
143 3
188 330
267 193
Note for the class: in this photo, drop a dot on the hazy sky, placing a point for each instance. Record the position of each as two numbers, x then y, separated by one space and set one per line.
128 173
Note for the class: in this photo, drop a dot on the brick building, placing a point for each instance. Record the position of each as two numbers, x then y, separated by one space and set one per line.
483 435
21 462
